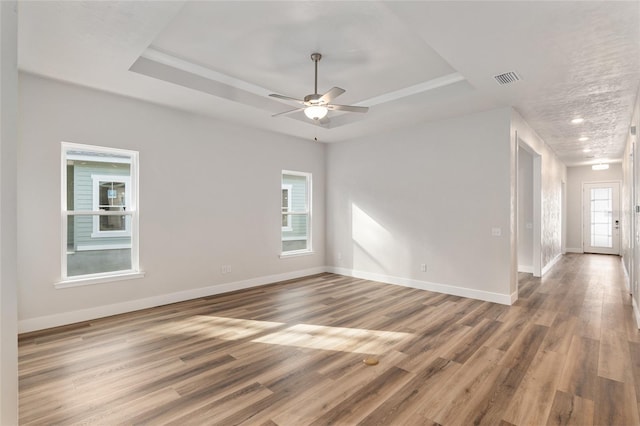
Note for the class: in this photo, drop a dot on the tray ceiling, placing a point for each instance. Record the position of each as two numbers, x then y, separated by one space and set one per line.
410 62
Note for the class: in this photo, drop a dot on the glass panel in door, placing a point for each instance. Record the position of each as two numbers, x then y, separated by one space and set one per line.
601 218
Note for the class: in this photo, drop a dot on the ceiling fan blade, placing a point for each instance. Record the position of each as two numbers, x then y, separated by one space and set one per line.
349 108
287 112
286 98
332 94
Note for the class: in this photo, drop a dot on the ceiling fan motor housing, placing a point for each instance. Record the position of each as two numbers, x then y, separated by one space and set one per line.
313 99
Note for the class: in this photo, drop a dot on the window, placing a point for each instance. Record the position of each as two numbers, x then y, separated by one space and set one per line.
602 217
99 214
296 212
286 207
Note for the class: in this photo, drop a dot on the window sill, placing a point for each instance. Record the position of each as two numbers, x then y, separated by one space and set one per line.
103 247
111 234
296 254
98 279
294 238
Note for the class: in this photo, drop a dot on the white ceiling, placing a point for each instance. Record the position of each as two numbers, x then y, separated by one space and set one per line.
410 62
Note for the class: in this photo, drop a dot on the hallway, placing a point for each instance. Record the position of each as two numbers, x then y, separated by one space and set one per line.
567 352
587 307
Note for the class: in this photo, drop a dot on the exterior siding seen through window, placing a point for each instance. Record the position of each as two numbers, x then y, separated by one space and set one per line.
99 215
296 235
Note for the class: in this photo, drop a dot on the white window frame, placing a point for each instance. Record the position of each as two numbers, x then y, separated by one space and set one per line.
132 212
97 233
307 212
288 188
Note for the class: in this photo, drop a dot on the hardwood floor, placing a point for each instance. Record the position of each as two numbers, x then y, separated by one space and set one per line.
567 352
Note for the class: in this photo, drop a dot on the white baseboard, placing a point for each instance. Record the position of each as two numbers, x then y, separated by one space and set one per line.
627 279
549 265
636 311
514 297
574 250
65 318
504 299
525 268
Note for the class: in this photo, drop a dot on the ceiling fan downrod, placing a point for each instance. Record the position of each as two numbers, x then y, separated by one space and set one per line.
315 57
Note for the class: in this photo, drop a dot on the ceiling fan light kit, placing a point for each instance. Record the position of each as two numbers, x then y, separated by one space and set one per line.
316 106
316 112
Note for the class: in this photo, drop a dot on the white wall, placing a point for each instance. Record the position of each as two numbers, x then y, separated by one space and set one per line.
630 195
426 194
430 194
553 174
632 141
525 211
627 214
8 214
576 176
209 195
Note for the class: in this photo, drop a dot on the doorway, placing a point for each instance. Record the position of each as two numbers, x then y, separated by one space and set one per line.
601 221
525 211
529 209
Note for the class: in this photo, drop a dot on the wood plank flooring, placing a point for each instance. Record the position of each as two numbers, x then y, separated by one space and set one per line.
566 353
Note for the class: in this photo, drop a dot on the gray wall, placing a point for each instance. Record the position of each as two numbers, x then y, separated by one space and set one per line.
8 214
432 194
630 198
525 211
631 195
209 196
428 194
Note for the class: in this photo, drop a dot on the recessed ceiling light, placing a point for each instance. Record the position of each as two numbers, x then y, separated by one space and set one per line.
586 150
584 138
600 167
577 120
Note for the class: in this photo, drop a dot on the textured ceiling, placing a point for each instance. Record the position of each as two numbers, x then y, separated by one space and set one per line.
410 62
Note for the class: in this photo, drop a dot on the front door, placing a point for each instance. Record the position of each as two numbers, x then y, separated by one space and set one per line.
601 207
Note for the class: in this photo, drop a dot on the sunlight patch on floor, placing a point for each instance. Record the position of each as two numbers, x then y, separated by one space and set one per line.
300 335
335 338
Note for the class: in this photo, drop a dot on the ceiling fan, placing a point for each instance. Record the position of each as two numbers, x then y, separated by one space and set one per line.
317 106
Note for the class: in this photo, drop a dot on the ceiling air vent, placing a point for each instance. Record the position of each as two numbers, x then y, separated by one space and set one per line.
507 78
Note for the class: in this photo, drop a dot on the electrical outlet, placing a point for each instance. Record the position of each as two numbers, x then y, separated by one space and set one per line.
423 267
496 232
225 269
